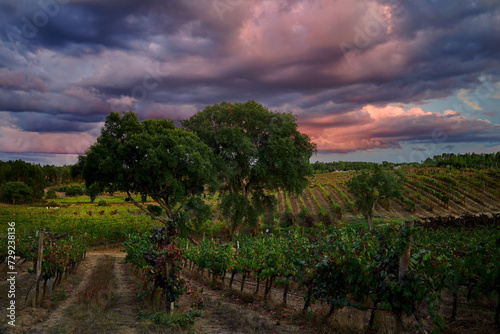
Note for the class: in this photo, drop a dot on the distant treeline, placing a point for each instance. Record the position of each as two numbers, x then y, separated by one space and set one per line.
467 160
26 182
328 167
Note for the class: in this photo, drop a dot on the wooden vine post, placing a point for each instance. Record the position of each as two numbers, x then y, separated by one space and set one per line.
404 261
38 269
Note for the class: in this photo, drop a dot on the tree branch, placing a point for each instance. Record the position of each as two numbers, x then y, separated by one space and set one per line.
145 210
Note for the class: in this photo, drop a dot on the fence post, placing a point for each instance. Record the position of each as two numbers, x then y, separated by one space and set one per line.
404 261
50 279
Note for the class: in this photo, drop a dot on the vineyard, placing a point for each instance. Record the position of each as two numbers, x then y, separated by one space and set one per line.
314 246
427 192
354 268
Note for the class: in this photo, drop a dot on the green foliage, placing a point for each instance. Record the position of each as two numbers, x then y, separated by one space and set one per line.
110 226
151 158
343 195
51 194
93 191
102 203
16 192
60 252
20 171
257 151
467 160
420 185
368 188
335 209
344 268
159 259
155 209
74 190
329 167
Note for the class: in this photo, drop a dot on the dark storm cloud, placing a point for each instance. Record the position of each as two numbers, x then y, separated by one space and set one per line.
37 122
328 62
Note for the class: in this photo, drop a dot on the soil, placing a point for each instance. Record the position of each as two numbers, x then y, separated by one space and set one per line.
226 310
221 314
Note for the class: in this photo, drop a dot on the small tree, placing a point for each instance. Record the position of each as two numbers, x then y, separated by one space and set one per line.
16 192
51 194
367 188
93 191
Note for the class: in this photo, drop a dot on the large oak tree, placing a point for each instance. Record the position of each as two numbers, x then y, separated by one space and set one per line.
258 152
151 158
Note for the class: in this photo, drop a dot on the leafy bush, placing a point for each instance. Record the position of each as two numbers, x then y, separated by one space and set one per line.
102 203
72 191
93 191
51 194
155 209
324 217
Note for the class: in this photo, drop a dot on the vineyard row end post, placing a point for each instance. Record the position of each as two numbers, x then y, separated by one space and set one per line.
404 261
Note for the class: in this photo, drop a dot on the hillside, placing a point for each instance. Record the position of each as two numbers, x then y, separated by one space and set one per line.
427 192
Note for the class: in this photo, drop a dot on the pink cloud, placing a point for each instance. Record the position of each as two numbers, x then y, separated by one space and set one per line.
11 79
14 140
387 127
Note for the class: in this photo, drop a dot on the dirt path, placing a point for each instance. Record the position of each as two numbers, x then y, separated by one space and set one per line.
126 297
58 319
54 317
223 312
229 311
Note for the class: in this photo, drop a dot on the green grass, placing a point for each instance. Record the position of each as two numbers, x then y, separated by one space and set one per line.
118 198
361 221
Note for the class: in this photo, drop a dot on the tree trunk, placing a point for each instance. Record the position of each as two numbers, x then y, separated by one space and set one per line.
370 221
168 299
285 293
372 316
497 312
469 294
308 300
455 302
232 278
330 313
268 287
243 280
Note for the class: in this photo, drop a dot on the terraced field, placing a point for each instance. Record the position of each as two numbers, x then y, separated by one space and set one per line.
427 192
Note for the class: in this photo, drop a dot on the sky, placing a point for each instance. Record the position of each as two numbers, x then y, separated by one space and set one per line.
382 80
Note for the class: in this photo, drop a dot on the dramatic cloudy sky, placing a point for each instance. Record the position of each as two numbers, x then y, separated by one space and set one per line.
396 80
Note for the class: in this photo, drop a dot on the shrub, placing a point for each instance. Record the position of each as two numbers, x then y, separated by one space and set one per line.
51 194
16 192
324 217
93 191
72 191
154 209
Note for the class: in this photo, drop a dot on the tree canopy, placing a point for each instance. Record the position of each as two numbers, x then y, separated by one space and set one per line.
151 158
16 191
368 188
258 151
